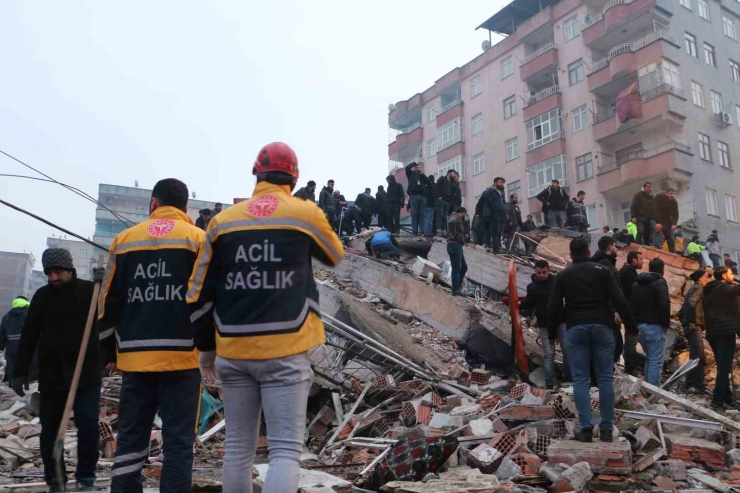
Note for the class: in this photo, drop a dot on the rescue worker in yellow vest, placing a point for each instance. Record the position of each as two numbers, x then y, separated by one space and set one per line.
145 329
254 279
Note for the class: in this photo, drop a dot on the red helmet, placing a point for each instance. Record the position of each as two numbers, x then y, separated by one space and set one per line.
276 157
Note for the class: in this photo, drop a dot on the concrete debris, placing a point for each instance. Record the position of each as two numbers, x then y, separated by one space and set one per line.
508 469
574 478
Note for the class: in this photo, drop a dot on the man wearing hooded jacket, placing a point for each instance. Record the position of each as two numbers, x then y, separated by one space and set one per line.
394 204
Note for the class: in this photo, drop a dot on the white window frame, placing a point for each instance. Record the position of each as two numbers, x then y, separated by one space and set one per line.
431 113
691 46
585 162
710 55
82 271
577 71
476 86
728 26
449 134
580 118
515 187
737 114
454 163
571 28
479 163
723 151
592 217
84 253
735 70
540 175
507 67
697 94
705 147
686 4
711 202
550 129
731 208
717 106
512 148
509 107
432 147
670 74
477 123
703 8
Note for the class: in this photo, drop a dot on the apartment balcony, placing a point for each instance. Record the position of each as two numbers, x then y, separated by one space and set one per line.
611 74
452 150
546 151
135 216
542 102
537 28
406 143
668 160
450 111
537 67
621 20
663 106
405 113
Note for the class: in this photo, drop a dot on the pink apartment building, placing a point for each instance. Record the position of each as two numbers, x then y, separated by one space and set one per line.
539 105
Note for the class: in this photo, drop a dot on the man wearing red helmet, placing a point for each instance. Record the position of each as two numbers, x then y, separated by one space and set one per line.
255 305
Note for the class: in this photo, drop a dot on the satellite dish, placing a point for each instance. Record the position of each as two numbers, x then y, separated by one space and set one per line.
391 107
193 194
486 45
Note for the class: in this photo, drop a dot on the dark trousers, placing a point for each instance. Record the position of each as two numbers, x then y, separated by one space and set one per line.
618 343
578 228
367 218
716 260
459 266
668 235
381 219
176 394
644 232
630 354
386 250
441 214
393 219
497 228
695 377
86 409
723 347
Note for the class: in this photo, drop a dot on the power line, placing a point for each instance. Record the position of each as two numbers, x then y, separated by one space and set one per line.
77 191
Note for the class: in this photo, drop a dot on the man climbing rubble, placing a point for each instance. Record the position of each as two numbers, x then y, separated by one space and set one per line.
455 242
256 306
383 244
143 308
692 320
55 325
10 338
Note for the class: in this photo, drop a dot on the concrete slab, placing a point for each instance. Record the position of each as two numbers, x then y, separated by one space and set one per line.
602 457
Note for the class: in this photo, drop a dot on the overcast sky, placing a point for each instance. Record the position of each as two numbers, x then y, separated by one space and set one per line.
112 92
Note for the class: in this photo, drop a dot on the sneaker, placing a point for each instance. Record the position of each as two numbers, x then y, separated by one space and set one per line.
718 406
585 436
86 485
606 436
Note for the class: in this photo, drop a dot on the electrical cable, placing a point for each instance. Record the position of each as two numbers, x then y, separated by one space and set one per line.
68 187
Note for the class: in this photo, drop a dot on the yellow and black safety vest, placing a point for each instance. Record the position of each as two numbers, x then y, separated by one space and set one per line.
142 309
254 277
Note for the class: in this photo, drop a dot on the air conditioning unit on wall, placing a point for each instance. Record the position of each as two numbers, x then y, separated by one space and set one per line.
724 119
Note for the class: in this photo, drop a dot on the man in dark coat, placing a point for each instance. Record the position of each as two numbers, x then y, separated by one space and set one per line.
666 216
491 213
527 226
576 212
204 218
455 191
10 337
627 276
381 204
554 203
513 221
340 203
442 201
396 199
692 320
642 214
367 203
417 204
326 201
308 192
352 220
54 326
723 325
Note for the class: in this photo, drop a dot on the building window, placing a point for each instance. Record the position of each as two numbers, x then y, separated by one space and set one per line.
432 148
730 208
448 134
724 154
478 123
475 86
512 149
454 163
82 271
703 9
737 114
584 167
509 107
576 72
728 24
709 55
543 129
515 187
580 118
705 151
593 220
431 114
712 208
572 28
735 69
697 94
84 253
670 74
507 67
685 3
691 44
479 164
716 102
541 174
648 77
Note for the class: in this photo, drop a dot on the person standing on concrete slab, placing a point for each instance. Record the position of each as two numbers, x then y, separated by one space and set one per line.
327 199
417 204
692 320
513 222
146 332
367 203
491 213
642 213
651 306
714 250
606 255
583 297
576 212
626 277
256 309
394 205
555 200
430 192
442 201
381 205
455 242
666 216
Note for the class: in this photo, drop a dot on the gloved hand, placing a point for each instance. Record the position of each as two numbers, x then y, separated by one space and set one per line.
206 362
98 274
19 385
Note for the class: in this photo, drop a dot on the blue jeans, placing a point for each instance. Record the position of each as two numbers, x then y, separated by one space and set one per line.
652 340
550 356
586 344
429 221
386 250
457 261
418 204
442 208
556 219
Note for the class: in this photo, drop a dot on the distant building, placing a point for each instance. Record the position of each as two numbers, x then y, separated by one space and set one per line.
38 279
84 255
15 277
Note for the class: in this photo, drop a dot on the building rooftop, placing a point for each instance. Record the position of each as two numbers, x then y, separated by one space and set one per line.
512 15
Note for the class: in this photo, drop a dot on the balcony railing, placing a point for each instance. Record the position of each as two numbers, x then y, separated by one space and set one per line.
632 48
604 115
541 51
659 91
410 129
600 17
643 154
544 93
449 106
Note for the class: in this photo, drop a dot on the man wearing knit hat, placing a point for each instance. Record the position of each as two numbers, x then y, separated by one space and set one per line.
55 325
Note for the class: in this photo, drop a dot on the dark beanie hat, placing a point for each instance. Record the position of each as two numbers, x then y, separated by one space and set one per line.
697 274
57 258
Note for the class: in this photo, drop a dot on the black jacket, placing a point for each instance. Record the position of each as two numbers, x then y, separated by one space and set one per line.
430 189
558 201
688 310
395 195
444 189
665 210
642 206
720 308
351 220
381 200
339 203
455 195
649 301
538 296
490 202
514 213
603 259
528 225
54 325
415 187
326 201
367 202
627 277
576 213
585 293
10 340
305 194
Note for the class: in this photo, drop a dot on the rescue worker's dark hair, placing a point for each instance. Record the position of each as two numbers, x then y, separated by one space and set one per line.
172 192
579 248
541 264
719 272
656 265
311 183
580 192
461 209
498 178
217 204
380 188
632 256
605 242
646 184
556 181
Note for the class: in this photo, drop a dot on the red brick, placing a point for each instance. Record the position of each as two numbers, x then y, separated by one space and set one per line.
480 377
530 464
485 458
503 442
690 449
602 457
525 412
